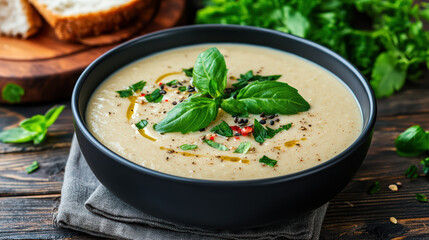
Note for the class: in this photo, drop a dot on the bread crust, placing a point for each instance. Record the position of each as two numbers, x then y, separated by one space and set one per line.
91 24
33 17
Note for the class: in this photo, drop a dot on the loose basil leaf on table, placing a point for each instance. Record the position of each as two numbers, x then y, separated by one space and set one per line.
216 145
223 129
375 187
234 107
412 142
243 147
421 197
12 93
33 167
52 114
188 147
189 116
268 161
425 163
412 172
17 135
271 97
210 72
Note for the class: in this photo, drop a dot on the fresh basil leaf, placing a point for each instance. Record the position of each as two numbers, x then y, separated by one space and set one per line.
33 167
216 145
136 87
188 147
412 142
234 107
412 172
17 135
52 114
171 83
188 72
36 123
142 124
268 161
125 93
259 132
272 132
210 72
223 129
155 96
189 116
243 147
272 97
182 89
12 93
421 197
375 187
40 137
425 163
387 76
248 77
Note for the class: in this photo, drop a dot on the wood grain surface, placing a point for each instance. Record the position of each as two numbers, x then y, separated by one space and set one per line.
26 200
48 68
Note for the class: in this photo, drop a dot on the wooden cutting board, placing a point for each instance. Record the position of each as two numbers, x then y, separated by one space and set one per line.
48 68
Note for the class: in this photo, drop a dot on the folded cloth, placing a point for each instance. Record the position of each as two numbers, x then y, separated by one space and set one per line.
88 206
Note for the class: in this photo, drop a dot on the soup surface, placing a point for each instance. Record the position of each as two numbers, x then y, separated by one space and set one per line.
331 124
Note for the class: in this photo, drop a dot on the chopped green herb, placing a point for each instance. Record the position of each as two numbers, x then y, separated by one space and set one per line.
188 72
33 167
425 163
32 129
142 124
223 129
375 187
12 93
188 147
216 145
421 197
243 147
155 96
412 142
136 87
412 172
171 83
182 89
268 161
260 133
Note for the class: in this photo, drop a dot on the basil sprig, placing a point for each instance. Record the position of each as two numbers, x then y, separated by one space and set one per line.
209 73
243 147
249 77
262 95
189 116
223 129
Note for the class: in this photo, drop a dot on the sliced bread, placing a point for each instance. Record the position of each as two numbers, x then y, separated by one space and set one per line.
74 19
18 19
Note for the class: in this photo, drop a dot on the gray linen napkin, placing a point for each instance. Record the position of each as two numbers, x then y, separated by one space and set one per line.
88 206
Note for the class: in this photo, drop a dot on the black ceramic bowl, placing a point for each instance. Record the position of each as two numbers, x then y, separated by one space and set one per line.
221 204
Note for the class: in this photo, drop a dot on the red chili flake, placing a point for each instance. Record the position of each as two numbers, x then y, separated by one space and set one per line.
160 83
235 128
246 131
237 138
142 94
212 138
166 100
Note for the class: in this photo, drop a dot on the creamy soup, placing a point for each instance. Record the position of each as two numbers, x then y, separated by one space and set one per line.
332 123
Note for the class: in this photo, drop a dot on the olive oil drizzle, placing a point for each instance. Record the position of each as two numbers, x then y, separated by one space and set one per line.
187 154
166 75
292 143
130 110
143 133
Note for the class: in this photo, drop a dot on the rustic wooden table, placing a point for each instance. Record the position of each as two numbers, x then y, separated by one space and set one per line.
26 200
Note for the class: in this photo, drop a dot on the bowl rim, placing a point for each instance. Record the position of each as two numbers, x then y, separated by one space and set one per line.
366 131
